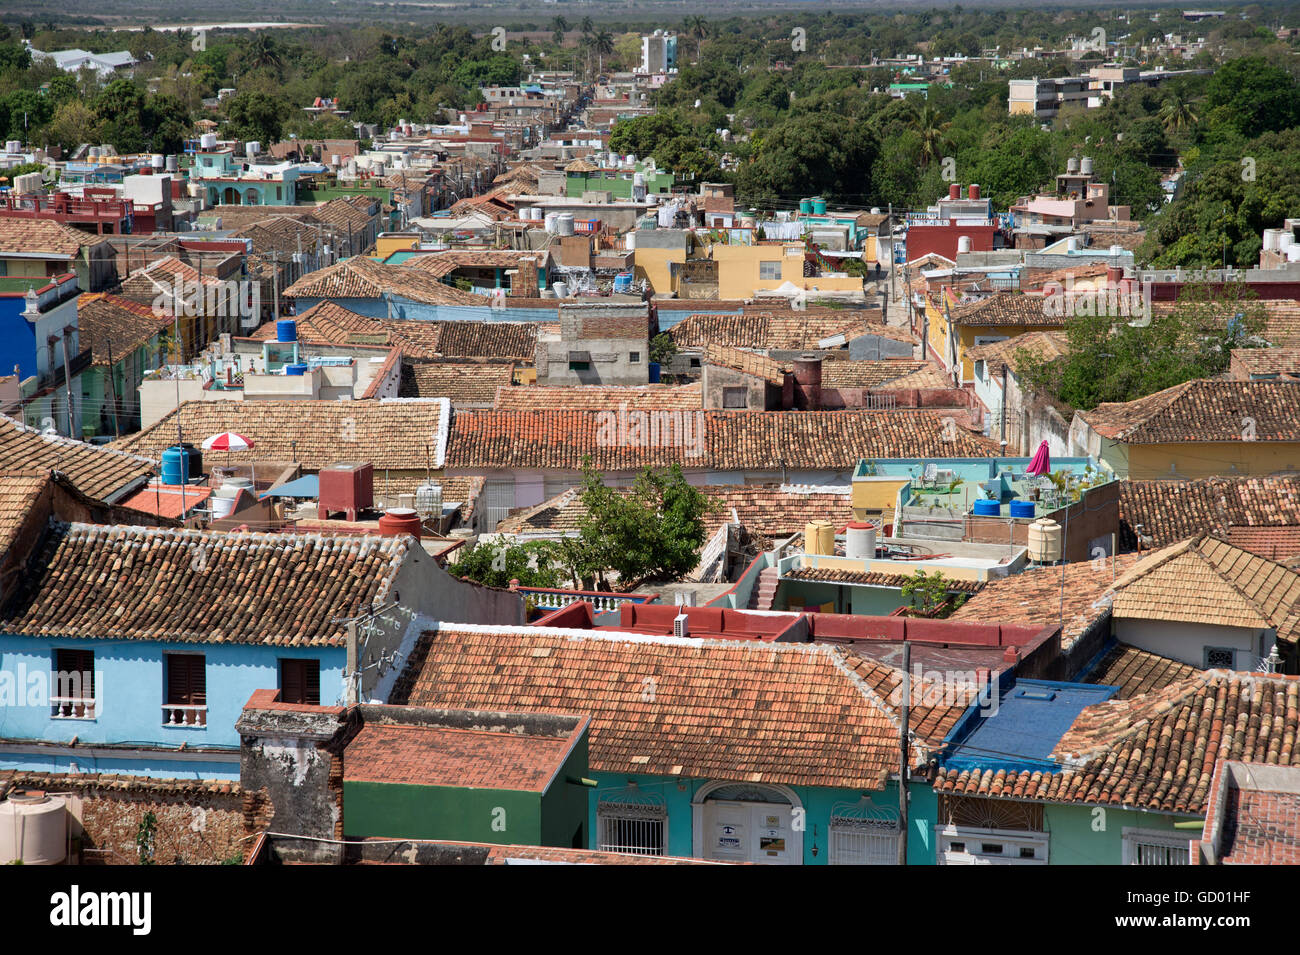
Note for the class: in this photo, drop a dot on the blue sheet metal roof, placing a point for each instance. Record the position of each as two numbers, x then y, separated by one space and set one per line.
306 486
1029 720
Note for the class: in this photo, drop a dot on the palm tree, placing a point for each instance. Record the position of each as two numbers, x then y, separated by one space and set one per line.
697 27
1177 116
588 26
934 133
559 25
603 44
263 52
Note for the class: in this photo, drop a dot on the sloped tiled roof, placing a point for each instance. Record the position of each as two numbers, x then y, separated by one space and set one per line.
884 373
832 575
1007 308
44 236
18 494
138 583
798 714
100 473
1070 596
1281 544
398 434
1208 581
439 264
448 756
745 362
110 322
780 331
360 277
1284 362
600 397
1170 511
1204 410
717 439
1158 751
1137 671
463 383
1281 320
1045 345
467 339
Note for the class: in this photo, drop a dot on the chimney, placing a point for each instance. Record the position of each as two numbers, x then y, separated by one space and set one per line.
974 190
1011 655
1114 274
954 191
808 382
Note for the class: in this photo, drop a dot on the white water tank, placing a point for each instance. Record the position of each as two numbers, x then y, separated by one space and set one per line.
1045 541
428 500
1074 243
564 223
561 290
158 161
550 222
1085 166
963 244
33 828
629 241
208 141
1072 166
860 540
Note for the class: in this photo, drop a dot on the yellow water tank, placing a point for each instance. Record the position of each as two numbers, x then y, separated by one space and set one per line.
819 537
1045 541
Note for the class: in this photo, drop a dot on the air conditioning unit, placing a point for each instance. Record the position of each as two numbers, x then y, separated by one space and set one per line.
681 626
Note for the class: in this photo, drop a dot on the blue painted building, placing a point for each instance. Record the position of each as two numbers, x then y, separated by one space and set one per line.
133 649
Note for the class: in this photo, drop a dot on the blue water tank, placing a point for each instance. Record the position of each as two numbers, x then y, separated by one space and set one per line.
295 369
819 206
286 330
654 372
181 463
987 508
805 206
1022 508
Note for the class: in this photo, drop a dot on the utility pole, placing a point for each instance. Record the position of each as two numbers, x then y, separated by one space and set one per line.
1004 407
904 720
112 388
67 378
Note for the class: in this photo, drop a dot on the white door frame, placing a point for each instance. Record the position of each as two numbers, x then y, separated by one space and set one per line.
701 796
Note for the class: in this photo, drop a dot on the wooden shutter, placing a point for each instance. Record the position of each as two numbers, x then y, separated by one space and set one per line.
300 682
80 663
186 680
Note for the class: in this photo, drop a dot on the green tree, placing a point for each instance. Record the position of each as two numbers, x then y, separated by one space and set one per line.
651 532
497 563
1253 96
254 115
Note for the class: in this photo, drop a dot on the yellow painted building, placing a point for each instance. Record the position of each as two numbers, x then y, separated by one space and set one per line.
957 328
1199 429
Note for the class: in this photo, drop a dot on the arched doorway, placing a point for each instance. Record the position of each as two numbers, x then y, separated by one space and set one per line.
748 822
232 196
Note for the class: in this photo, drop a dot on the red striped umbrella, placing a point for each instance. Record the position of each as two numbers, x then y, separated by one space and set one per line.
227 441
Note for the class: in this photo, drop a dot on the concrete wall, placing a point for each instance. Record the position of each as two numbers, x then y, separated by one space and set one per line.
716 379
1187 642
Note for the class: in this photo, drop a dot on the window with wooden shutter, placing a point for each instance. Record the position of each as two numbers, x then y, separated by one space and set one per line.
74 685
187 690
300 682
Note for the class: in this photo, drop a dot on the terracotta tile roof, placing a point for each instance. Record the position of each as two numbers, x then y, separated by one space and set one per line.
168 500
1037 597
1246 362
457 758
1036 278
1209 581
399 434
1170 511
139 583
360 277
328 323
747 362
464 383
728 441
1137 671
600 397
831 575
875 374
1261 824
44 236
769 510
781 331
110 321
1281 544
927 377
439 264
159 278
799 714
1047 345
19 492
1203 410
101 473
1006 308
341 213
1158 751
